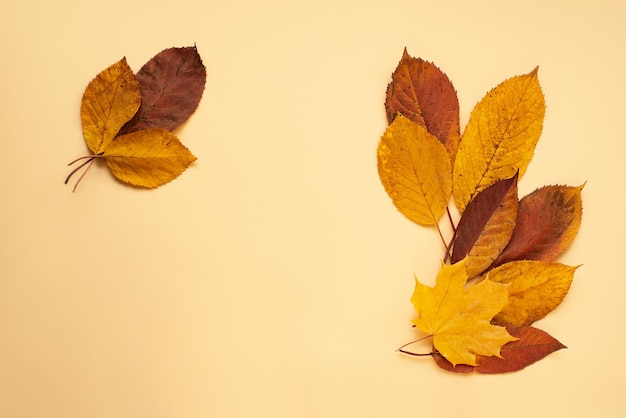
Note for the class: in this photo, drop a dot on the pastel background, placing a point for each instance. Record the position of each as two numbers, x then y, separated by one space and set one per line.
272 279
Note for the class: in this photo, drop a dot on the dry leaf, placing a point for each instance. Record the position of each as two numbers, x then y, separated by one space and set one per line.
536 288
533 345
140 150
459 319
415 171
498 238
548 221
172 83
500 137
110 100
148 158
420 91
486 226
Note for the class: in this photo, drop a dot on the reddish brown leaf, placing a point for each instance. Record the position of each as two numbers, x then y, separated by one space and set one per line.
547 223
420 91
486 226
172 83
532 346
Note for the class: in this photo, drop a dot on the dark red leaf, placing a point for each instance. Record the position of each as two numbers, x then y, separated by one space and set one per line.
172 83
446 365
547 223
486 226
532 346
420 91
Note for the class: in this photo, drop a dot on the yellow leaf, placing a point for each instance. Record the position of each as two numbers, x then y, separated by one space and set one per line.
459 320
148 158
500 137
110 100
415 170
536 288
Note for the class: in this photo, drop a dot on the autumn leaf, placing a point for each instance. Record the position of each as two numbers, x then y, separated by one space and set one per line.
147 158
486 226
420 91
415 170
126 118
532 345
172 83
459 319
110 100
536 288
500 137
548 221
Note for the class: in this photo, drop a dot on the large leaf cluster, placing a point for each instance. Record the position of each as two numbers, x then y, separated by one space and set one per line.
500 241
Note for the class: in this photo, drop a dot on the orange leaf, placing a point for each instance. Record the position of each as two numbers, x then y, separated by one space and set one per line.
500 137
415 170
547 222
420 91
536 288
110 100
486 226
148 158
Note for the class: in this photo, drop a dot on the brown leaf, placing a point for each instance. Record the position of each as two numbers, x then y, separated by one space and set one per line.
547 222
172 83
532 346
486 226
420 91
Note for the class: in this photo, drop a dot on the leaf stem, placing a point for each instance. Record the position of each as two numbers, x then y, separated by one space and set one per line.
449 245
413 342
82 158
90 160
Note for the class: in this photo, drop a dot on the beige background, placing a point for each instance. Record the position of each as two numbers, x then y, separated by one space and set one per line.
273 278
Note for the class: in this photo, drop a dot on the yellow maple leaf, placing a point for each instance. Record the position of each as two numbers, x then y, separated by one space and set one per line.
500 137
536 288
415 170
459 319
110 100
148 158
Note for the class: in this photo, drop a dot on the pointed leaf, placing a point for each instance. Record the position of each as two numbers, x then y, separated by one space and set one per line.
110 100
172 83
148 158
459 320
486 226
536 288
420 91
547 222
500 137
415 171
532 346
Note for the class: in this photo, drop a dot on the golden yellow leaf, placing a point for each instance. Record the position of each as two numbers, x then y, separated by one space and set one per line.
500 137
459 320
110 100
148 158
415 170
536 288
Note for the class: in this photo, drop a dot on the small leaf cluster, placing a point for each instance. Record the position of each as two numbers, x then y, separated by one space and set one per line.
511 244
128 118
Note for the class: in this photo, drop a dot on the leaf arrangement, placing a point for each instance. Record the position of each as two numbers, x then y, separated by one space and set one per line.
128 118
498 274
